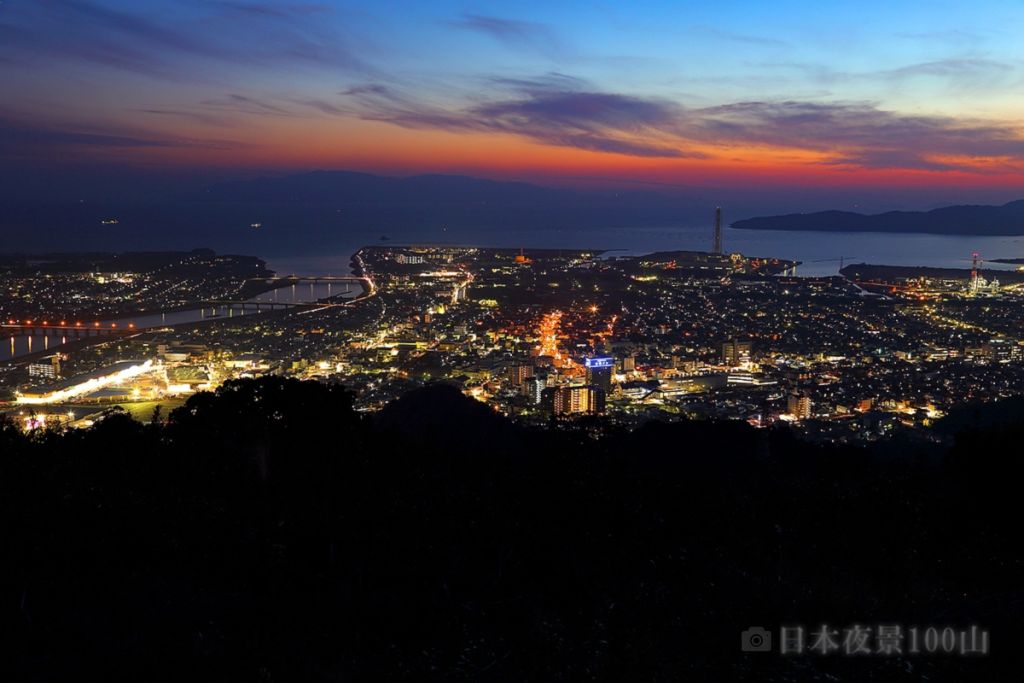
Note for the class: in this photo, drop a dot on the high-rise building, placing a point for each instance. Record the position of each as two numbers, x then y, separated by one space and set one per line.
736 353
574 400
799 405
1002 350
599 372
534 388
45 369
518 373
718 230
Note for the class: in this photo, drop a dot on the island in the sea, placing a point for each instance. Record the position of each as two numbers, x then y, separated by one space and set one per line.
1007 219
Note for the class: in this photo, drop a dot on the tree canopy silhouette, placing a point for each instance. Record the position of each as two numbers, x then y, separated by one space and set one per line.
269 531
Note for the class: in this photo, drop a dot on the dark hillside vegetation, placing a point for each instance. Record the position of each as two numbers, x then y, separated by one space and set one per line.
269 532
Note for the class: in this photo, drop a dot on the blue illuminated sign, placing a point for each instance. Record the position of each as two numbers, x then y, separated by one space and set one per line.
600 363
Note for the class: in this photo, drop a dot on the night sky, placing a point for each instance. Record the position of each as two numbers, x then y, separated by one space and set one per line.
874 95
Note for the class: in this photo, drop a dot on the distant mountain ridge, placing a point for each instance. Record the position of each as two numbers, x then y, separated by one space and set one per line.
364 188
1007 219
334 209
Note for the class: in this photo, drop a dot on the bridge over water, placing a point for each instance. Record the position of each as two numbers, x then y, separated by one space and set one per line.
12 328
56 331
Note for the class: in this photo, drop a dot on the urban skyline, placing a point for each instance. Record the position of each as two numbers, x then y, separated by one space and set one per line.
540 335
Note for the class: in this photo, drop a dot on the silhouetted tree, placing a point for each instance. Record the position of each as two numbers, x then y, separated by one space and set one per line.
269 531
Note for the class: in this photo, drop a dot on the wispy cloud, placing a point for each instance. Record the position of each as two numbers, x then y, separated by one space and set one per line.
197 116
949 36
21 138
553 81
245 104
324 107
515 34
856 133
849 133
747 39
566 118
959 69
963 72
161 45
275 9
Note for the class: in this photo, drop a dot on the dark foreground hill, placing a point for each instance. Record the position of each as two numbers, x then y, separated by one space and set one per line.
270 532
1007 219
